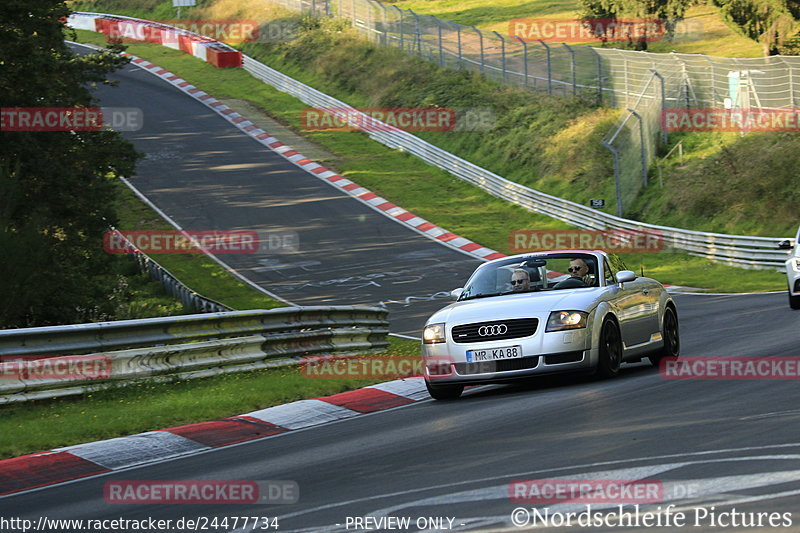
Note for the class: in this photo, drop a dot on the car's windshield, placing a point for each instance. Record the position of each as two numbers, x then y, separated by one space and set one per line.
545 272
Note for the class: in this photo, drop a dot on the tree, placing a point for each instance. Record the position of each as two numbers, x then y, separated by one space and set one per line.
57 188
668 12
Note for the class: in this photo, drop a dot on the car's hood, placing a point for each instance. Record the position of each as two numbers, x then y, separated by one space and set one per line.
516 305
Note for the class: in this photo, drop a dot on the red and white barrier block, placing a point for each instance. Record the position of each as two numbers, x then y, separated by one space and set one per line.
116 28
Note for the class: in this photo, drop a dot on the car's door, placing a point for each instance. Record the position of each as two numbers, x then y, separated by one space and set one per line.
636 304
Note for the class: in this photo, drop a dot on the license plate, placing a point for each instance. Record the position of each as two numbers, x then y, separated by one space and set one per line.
494 354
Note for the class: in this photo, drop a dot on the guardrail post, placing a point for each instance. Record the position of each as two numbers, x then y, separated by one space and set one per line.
572 68
549 67
441 46
524 58
615 154
480 35
419 33
502 55
599 75
353 8
339 3
641 145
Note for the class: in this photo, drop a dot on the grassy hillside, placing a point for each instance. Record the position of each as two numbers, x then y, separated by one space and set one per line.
716 38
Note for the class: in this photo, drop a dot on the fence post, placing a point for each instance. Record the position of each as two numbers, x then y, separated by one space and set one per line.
340 3
549 68
599 75
370 23
791 83
663 106
417 30
572 68
627 80
402 36
480 35
503 55
641 145
713 87
441 46
385 25
458 30
524 59
353 7
616 176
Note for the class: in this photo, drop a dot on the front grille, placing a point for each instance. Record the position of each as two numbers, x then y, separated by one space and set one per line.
565 357
502 365
495 331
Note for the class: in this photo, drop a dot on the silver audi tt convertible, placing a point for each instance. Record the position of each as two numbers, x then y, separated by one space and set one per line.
547 312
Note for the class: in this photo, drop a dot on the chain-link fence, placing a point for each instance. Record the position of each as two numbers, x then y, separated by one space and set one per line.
615 78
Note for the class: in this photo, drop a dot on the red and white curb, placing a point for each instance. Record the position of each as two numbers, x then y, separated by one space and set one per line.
345 185
84 460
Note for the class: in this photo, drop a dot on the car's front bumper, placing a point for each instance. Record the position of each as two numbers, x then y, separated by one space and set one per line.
542 353
793 276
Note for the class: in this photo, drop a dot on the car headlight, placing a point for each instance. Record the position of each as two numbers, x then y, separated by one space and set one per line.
795 264
433 333
561 320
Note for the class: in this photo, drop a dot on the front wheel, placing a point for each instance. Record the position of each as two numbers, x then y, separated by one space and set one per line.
794 301
444 392
610 350
671 337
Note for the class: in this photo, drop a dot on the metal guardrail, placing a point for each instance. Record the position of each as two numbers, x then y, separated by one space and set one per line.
182 347
738 250
171 284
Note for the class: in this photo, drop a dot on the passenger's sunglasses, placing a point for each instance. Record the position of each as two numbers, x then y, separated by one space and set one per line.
574 269
518 281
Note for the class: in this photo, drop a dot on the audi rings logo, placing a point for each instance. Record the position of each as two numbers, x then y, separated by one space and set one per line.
491 331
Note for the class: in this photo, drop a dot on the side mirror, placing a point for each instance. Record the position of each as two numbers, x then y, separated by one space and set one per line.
785 245
624 276
455 293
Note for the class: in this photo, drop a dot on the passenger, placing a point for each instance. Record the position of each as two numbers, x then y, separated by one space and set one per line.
520 280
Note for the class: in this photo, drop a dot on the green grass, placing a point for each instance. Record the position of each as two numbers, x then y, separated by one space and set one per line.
147 405
428 191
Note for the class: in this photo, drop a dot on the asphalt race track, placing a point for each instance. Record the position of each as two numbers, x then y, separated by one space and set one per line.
728 448
207 175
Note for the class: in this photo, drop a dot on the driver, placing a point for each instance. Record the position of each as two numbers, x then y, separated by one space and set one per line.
579 275
520 280
579 269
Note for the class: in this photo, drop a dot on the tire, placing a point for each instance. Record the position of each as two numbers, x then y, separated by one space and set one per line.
444 392
610 350
794 301
671 335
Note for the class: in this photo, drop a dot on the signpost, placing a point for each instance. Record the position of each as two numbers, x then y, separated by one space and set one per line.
182 3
